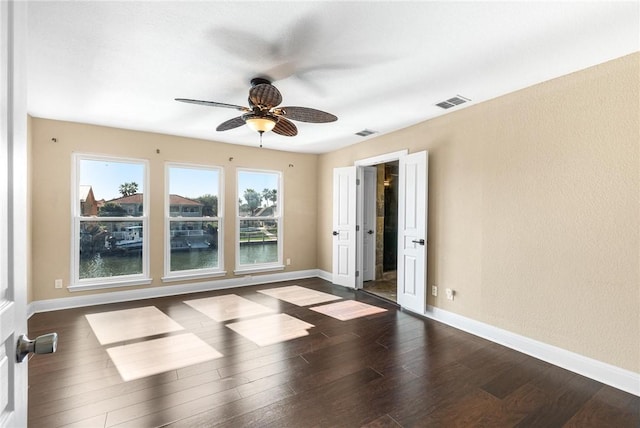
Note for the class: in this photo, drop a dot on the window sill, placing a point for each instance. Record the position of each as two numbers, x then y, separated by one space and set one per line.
106 284
186 277
257 269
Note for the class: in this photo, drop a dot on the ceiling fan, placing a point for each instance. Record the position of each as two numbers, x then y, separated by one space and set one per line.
263 113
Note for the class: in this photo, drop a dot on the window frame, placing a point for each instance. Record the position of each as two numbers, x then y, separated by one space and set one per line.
143 278
186 274
262 267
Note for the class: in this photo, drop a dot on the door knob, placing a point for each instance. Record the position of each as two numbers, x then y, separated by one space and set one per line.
335 233
418 241
370 232
45 344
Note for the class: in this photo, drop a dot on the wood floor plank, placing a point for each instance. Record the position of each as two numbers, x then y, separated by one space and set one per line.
166 383
576 393
391 369
171 412
302 407
215 415
219 389
384 421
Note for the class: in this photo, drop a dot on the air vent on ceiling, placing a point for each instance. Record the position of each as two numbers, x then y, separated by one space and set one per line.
452 102
365 132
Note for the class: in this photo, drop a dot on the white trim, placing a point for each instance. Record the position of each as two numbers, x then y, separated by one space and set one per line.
107 284
602 372
192 276
323 274
154 292
387 157
258 269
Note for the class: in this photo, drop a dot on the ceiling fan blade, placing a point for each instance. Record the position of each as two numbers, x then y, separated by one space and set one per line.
265 95
286 128
212 104
305 114
230 124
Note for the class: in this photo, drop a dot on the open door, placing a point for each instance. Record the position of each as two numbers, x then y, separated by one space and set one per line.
344 226
412 228
369 183
13 212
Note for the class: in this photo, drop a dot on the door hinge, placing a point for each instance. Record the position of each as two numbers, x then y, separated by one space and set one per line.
357 273
357 228
357 181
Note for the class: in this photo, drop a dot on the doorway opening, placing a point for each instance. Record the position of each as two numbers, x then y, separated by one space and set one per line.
384 282
354 210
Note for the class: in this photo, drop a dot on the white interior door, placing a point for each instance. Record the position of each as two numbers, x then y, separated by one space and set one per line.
13 212
369 184
412 229
344 226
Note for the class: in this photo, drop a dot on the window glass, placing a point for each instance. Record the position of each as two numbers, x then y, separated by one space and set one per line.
110 248
110 220
111 188
194 225
259 201
258 243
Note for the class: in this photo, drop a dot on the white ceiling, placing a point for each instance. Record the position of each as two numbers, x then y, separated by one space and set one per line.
376 65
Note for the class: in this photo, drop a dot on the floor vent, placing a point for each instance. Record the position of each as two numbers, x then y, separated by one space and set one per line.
365 132
452 102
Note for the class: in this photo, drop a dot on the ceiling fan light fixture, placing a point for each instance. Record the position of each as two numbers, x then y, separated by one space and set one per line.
261 123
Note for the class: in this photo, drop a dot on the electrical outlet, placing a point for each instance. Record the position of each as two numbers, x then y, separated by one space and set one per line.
434 290
288 262
450 294
58 283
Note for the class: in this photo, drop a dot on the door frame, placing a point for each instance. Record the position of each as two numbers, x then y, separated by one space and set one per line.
372 161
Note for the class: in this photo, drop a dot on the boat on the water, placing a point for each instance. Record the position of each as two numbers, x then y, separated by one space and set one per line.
129 239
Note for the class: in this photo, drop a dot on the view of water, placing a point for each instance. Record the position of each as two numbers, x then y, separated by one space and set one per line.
131 263
101 267
258 253
185 260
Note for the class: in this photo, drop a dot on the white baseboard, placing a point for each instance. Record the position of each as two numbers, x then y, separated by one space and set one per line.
173 290
602 372
327 276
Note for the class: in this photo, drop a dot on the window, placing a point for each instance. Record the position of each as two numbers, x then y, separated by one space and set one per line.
259 221
110 223
193 207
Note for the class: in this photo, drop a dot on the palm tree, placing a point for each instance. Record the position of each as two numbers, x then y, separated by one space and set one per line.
270 196
128 189
253 200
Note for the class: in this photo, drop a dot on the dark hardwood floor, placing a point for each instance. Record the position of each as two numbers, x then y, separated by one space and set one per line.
386 370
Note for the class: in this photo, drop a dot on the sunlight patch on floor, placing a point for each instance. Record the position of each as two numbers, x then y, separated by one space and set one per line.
228 307
348 310
271 329
127 324
299 296
160 355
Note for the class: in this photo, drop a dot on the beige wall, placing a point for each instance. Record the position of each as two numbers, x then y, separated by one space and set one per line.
50 169
534 210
